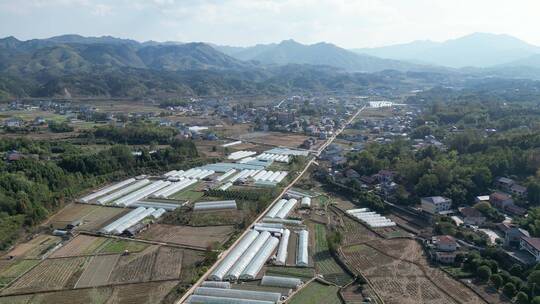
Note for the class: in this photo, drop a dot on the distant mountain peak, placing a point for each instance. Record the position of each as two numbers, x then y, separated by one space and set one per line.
474 50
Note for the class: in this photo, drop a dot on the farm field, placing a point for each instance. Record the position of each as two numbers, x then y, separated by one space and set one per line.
325 262
354 232
34 248
400 274
98 271
119 246
188 235
192 193
93 217
143 293
277 139
316 292
254 286
80 245
101 216
135 267
355 294
302 273
15 269
140 293
168 264
51 274
217 218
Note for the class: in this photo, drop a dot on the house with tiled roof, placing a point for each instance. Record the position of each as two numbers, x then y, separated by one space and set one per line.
532 246
444 243
471 216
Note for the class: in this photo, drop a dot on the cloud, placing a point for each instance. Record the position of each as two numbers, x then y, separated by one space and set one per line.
349 23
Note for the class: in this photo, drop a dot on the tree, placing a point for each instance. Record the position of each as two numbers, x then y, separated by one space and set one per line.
536 300
533 193
516 270
496 280
522 298
427 185
484 273
509 290
534 278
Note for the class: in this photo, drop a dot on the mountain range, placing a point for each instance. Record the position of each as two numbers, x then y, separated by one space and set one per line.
113 66
290 51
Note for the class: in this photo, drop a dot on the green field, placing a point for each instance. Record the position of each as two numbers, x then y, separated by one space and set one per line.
119 246
189 194
324 261
317 292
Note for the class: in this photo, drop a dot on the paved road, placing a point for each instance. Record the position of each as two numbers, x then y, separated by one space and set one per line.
308 165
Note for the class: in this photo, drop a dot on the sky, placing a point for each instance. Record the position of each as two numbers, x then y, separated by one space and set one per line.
347 23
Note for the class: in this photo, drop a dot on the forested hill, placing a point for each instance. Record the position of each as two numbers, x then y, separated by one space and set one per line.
108 66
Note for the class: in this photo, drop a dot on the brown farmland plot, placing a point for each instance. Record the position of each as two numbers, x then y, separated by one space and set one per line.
135 267
168 264
82 244
400 274
145 293
187 235
36 247
75 296
70 213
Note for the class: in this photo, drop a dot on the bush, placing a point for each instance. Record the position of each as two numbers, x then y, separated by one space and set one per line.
522 298
509 290
536 300
496 280
484 273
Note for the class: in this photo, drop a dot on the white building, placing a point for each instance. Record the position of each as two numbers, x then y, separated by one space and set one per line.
435 204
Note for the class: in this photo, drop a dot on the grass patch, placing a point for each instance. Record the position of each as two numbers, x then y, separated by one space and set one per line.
457 272
316 292
119 246
291 272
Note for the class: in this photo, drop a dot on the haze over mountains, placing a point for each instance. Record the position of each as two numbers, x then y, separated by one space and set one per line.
476 50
